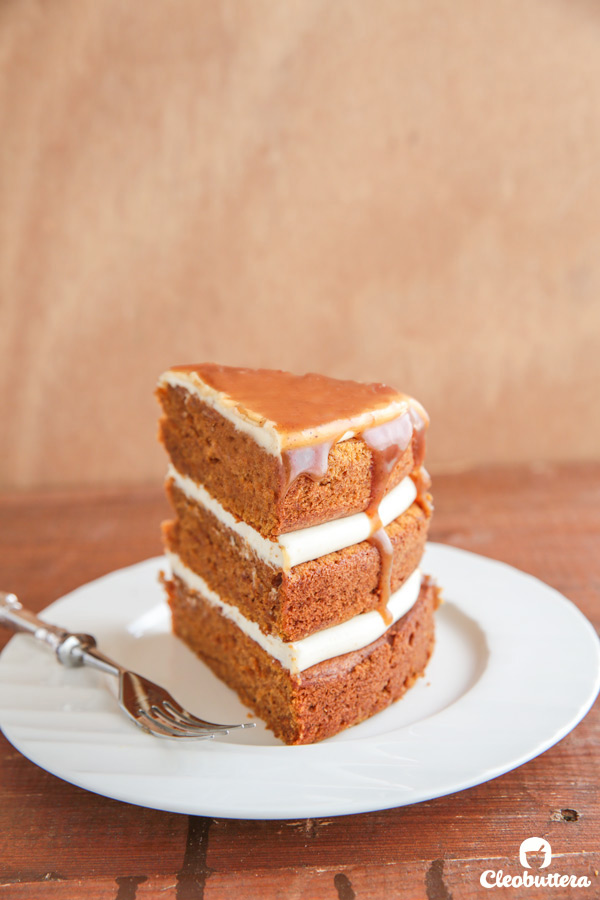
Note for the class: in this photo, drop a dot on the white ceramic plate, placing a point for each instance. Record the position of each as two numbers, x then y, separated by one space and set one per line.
516 667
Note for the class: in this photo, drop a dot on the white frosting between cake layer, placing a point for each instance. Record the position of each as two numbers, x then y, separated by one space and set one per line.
263 430
306 543
297 656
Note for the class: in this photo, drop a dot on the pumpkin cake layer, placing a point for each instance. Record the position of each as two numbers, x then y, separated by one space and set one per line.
324 699
313 595
247 480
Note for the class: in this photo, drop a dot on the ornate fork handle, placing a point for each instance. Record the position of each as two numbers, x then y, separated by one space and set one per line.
71 649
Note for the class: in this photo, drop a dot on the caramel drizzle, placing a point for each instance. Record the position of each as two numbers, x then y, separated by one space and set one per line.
380 539
387 443
422 483
312 461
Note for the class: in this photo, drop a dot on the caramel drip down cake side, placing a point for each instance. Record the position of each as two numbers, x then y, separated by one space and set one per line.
301 514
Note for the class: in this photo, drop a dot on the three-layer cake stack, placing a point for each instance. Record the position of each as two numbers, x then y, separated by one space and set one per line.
301 513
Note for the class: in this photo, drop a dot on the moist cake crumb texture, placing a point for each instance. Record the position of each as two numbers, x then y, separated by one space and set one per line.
301 507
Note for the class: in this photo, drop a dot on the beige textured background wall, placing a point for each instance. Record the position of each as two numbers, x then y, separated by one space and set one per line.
398 191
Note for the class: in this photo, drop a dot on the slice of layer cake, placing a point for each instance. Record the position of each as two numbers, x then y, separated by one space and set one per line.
301 513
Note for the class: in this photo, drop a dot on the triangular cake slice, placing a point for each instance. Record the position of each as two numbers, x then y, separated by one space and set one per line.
301 512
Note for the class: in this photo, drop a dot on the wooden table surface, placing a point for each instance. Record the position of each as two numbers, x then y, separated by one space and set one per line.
58 841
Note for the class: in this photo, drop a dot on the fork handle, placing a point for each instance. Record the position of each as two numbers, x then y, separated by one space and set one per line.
68 647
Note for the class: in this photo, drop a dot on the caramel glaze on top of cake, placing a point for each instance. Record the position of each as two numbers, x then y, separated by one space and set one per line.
299 408
296 405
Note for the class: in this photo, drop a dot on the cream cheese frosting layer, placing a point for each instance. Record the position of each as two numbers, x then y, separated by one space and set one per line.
297 656
305 544
266 433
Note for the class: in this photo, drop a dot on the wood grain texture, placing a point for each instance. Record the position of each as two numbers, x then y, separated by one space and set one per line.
62 843
402 193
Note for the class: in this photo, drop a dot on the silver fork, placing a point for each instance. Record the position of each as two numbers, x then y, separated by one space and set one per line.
147 704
